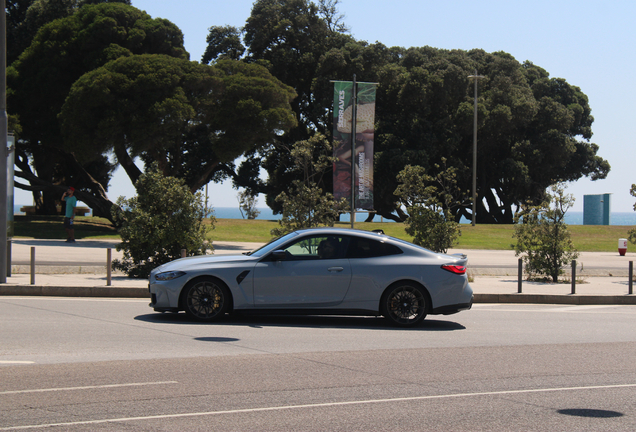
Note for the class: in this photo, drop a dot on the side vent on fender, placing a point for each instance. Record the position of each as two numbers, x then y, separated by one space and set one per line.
242 276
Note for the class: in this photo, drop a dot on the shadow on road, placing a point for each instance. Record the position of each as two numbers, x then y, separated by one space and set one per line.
261 321
592 413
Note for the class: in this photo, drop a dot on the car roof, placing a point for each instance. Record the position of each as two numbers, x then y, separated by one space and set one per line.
380 235
336 230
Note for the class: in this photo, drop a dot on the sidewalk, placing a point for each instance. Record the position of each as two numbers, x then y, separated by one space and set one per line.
79 269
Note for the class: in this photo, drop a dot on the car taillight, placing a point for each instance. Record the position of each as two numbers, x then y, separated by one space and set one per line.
457 269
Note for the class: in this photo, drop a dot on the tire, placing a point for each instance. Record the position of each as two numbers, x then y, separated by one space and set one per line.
206 299
404 304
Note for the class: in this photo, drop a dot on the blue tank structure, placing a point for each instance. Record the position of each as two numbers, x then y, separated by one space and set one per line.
596 209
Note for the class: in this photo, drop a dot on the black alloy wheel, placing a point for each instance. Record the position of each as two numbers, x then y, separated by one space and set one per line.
404 304
206 299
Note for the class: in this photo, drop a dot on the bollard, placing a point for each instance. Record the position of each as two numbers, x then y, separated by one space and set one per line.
109 259
8 257
183 253
631 277
520 276
32 265
573 276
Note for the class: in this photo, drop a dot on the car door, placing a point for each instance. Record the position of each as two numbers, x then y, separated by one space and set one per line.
310 274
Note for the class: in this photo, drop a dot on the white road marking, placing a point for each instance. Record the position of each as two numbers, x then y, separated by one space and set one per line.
317 405
106 386
542 308
15 362
577 308
82 299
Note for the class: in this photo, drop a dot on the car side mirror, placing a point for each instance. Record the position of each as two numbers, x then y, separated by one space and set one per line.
279 255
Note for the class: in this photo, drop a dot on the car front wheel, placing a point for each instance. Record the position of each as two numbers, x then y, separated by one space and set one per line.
206 299
404 304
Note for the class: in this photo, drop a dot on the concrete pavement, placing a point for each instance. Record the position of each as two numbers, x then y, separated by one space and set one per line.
79 269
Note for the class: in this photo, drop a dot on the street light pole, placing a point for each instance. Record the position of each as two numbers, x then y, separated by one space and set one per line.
3 145
354 119
476 76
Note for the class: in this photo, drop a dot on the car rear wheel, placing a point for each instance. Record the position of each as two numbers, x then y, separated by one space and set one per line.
206 299
404 304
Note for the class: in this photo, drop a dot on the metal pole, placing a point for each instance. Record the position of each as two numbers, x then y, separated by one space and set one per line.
519 276
354 119
474 217
573 276
8 257
3 143
631 277
32 265
109 260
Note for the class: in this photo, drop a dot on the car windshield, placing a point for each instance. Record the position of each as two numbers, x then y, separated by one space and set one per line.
273 245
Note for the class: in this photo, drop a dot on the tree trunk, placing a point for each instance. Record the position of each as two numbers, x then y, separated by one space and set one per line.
92 193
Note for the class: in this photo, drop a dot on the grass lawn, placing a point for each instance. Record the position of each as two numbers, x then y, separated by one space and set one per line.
590 238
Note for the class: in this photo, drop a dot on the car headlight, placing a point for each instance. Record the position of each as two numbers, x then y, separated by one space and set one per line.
169 275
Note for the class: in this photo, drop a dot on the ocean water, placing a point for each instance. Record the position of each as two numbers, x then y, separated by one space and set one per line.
571 218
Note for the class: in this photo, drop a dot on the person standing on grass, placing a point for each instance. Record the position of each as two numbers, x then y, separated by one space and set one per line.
69 215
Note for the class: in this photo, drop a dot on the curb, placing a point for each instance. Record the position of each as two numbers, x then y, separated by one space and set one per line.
572 299
65 291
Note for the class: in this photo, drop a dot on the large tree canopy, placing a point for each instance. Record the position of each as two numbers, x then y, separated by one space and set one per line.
26 17
186 116
89 70
39 82
534 130
289 37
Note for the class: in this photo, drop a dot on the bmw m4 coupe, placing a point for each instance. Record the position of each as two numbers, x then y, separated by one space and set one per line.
317 271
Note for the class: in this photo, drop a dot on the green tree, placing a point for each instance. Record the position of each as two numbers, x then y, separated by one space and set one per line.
26 17
306 205
187 117
40 80
533 130
289 37
223 43
543 236
164 218
247 204
429 201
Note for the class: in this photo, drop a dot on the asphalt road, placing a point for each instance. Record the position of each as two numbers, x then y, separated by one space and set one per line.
95 364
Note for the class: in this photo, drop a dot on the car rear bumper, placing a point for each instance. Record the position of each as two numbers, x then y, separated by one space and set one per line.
452 309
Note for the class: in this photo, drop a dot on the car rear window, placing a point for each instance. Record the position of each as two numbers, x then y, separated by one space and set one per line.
369 248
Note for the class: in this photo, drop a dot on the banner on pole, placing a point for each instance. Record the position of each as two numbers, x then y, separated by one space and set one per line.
342 148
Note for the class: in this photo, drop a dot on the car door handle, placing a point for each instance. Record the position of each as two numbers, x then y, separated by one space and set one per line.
335 269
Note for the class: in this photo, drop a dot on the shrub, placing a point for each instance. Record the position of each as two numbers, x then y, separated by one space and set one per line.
307 206
632 232
164 218
429 201
543 236
430 229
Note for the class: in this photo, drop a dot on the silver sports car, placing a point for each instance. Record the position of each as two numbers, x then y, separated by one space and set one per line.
318 271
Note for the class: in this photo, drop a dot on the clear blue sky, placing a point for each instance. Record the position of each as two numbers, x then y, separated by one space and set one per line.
589 43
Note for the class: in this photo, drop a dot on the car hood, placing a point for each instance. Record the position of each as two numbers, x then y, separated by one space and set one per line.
200 261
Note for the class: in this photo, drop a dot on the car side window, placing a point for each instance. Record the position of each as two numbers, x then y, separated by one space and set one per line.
316 248
369 248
